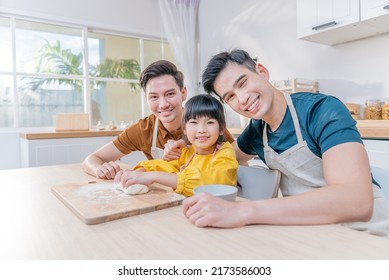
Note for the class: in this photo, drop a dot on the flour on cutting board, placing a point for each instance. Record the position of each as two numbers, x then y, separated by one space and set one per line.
100 202
109 193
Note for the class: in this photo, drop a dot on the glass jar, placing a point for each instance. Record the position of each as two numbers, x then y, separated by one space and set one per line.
373 109
385 109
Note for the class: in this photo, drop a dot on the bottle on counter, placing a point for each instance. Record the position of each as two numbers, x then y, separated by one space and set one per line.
100 125
385 109
112 125
373 109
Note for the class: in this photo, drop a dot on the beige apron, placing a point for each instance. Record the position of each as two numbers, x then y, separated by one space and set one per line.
156 153
302 171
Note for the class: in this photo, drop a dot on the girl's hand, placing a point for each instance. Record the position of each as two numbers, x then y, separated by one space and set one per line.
130 177
172 149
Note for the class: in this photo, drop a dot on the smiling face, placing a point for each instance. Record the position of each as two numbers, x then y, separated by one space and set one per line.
203 133
165 100
248 93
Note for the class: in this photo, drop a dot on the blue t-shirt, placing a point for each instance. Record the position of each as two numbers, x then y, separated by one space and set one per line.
324 121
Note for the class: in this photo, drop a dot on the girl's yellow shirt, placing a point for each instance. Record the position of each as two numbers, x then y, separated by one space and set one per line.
217 168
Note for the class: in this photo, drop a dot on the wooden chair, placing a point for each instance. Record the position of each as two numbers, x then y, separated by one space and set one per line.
255 182
381 175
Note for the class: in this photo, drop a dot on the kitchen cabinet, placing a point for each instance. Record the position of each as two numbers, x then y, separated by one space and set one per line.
376 14
52 148
373 8
339 21
321 15
378 152
41 152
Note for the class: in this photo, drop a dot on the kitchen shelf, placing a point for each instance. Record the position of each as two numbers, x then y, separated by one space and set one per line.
293 85
369 129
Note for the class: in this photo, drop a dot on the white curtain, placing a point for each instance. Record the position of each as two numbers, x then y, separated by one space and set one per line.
180 22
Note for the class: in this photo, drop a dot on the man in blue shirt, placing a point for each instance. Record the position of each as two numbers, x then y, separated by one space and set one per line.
310 138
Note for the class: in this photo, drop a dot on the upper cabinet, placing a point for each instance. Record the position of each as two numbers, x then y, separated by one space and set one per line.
316 16
334 22
376 14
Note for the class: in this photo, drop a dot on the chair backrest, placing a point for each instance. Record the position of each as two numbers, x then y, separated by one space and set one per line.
381 175
257 183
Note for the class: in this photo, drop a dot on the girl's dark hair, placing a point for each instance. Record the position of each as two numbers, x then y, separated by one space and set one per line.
160 68
220 61
203 105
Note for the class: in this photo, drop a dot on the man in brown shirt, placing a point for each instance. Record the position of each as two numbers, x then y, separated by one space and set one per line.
164 90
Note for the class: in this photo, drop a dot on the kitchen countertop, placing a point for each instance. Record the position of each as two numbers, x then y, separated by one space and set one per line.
369 129
52 134
373 129
37 225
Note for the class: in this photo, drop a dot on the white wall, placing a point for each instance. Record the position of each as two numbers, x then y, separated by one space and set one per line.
352 71
130 16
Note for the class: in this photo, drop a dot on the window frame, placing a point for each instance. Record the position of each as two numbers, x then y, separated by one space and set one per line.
85 77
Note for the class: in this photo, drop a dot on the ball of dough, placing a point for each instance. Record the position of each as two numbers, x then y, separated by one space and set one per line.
133 189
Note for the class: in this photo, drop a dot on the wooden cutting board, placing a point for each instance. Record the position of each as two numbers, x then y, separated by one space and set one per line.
96 203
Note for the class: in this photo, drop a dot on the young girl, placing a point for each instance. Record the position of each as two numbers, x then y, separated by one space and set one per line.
208 160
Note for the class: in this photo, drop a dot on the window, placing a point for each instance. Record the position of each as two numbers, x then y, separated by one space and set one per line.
6 81
45 72
49 72
114 69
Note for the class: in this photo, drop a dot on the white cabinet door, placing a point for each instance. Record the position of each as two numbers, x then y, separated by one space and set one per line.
316 16
376 14
378 152
42 152
374 8
332 22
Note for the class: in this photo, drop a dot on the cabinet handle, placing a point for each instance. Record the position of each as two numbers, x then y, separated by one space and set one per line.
386 7
325 25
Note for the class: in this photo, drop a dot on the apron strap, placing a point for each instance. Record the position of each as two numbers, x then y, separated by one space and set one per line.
294 117
155 133
296 123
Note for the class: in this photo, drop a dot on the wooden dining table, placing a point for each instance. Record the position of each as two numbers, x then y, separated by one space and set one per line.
36 225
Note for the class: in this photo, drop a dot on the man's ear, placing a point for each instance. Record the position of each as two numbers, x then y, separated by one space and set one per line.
184 93
145 97
261 70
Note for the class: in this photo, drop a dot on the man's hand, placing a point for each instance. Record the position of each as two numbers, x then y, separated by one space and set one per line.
205 210
173 149
108 170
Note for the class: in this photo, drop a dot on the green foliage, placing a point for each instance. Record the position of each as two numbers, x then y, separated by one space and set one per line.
119 68
52 59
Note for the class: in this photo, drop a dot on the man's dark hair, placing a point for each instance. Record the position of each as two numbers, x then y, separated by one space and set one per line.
160 68
220 61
